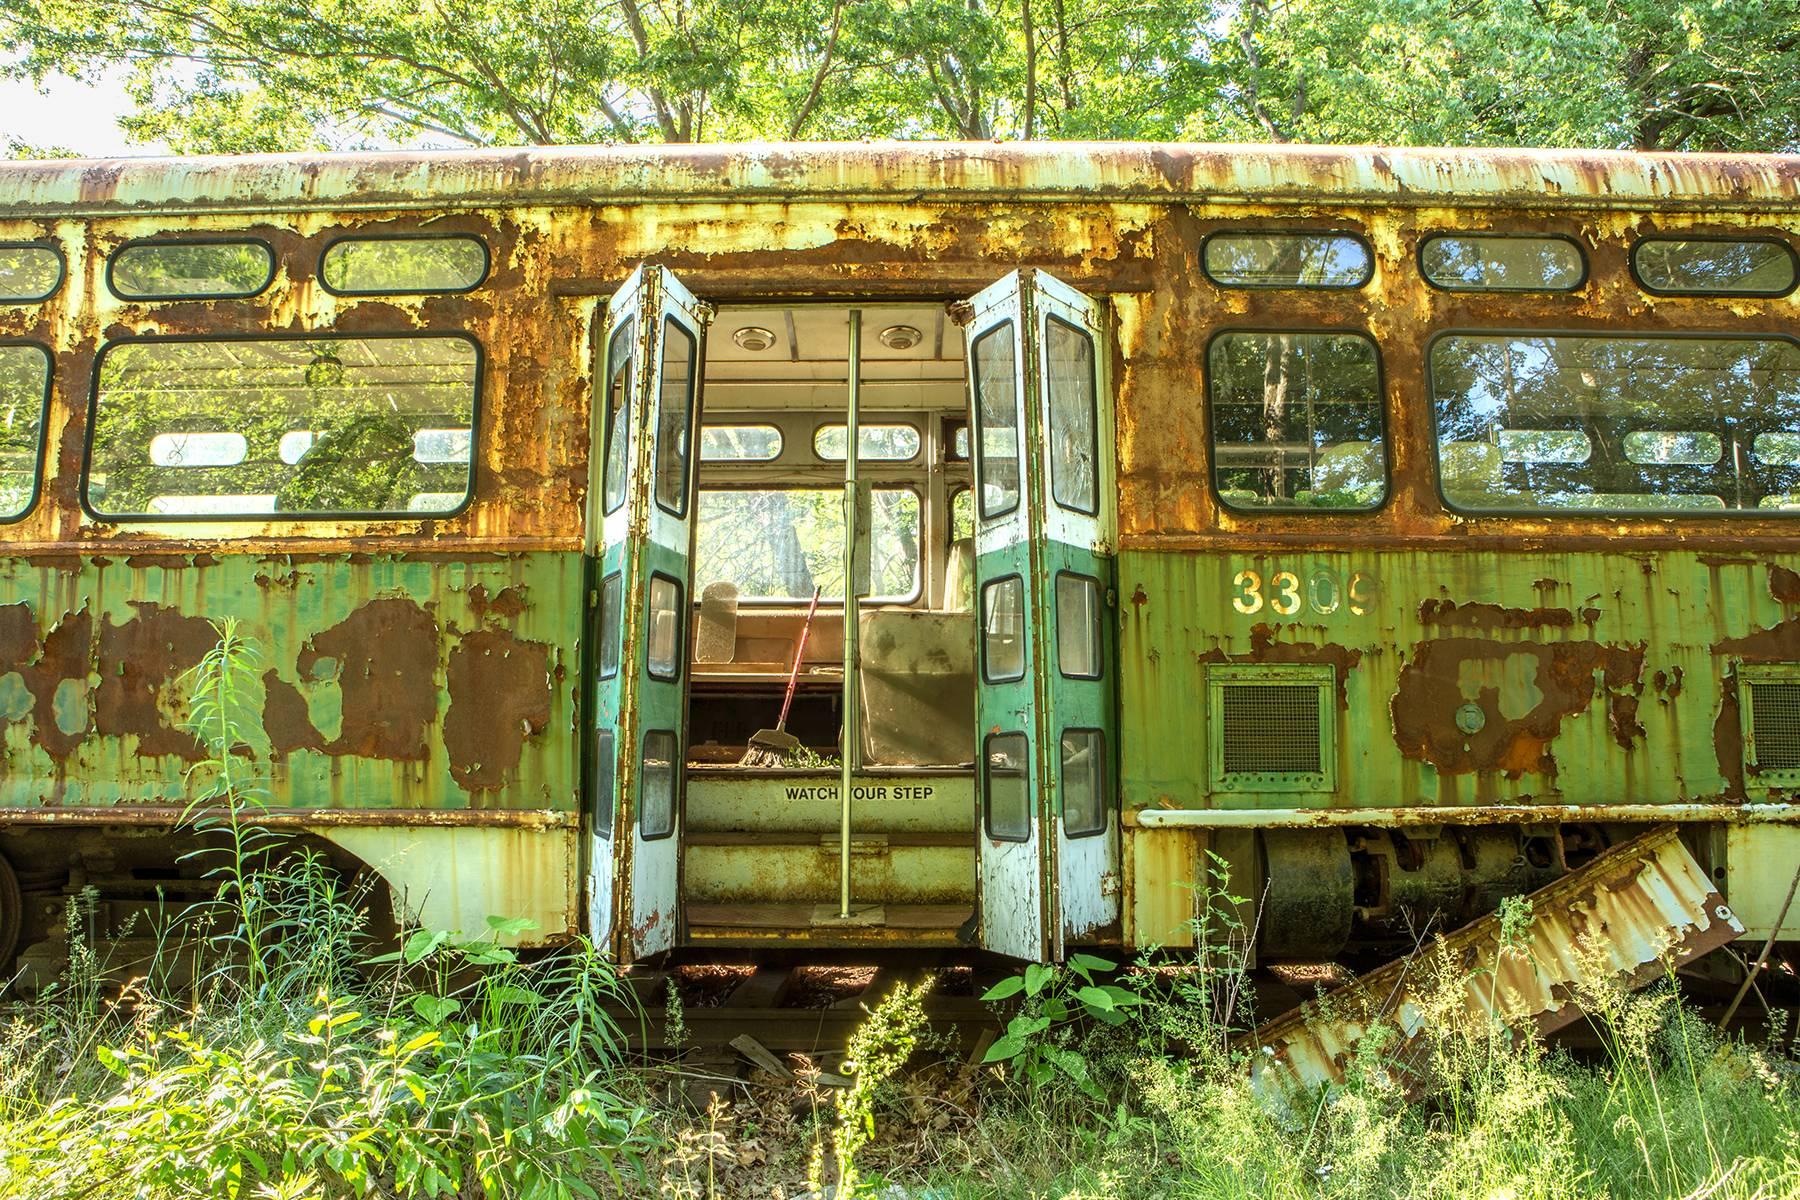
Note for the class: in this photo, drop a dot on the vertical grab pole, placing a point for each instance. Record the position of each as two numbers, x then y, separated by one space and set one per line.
852 739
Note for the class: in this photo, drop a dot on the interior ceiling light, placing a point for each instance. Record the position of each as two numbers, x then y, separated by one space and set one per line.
901 337
754 338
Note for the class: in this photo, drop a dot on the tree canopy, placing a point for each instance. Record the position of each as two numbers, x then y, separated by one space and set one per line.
250 75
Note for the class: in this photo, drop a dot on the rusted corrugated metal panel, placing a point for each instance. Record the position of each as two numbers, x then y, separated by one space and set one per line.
1626 918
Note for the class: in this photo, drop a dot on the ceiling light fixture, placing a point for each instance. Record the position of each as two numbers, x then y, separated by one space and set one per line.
901 337
754 338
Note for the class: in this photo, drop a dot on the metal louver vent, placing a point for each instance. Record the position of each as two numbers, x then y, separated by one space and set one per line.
1774 724
1271 728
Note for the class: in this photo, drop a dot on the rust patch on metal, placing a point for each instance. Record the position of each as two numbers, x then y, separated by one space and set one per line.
500 695
62 662
1779 643
138 661
1264 648
1784 584
1490 617
18 635
507 603
1728 740
286 719
385 658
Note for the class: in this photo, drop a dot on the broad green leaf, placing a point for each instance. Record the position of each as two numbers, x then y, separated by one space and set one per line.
1011 986
1036 976
1003 1048
1095 998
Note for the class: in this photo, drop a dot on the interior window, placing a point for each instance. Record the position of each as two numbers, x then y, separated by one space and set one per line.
620 353
1005 786
206 426
192 270
880 443
29 273
1715 266
1287 260
962 514
739 443
1003 630
674 408
612 606
399 265
602 775
1074 435
780 543
1502 263
656 808
1297 421
997 420
662 655
24 392
1598 410
1084 775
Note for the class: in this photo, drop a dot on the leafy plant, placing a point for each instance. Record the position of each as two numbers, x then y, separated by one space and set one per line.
1039 1039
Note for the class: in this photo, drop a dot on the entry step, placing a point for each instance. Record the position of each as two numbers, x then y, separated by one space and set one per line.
820 925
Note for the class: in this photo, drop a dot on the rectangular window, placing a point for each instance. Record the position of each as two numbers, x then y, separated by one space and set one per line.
620 355
739 443
1003 630
1287 260
656 794
29 272
1079 634
880 443
996 420
1085 802
1714 266
1297 421
24 394
780 543
662 656
611 607
1582 422
215 270
1072 390
1006 786
396 266
602 774
169 416
1502 263
674 416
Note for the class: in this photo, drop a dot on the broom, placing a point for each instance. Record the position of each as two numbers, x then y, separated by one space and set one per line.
770 747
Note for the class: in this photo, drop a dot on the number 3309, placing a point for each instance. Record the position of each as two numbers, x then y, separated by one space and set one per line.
1285 593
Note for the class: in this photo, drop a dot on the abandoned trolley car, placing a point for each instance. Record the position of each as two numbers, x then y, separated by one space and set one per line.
1401 527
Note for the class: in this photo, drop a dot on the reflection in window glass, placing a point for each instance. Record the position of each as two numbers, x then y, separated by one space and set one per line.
880 443
602 773
1296 421
996 420
1776 449
1756 267
780 543
1544 445
959 443
1074 435
165 270
674 408
656 807
962 514
662 656
442 445
739 443
24 384
400 265
362 401
1005 786
1502 264
198 449
1620 395
1304 260
28 273
619 355
1078 628
1084 774
612 607
1003 630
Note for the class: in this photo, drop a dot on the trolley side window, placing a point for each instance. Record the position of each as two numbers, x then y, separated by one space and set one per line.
29 272
215 269
397 266
24 394
1714 266
1502 263
1287 260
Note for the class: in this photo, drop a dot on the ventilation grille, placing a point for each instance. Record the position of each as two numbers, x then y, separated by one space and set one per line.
1271 728
1775 724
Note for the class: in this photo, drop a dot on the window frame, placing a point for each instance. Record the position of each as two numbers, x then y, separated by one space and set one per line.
690 423
1769 237
1367 248
603 749
1590 514
1104 778
981 633
487 262
112 261
62 269
985 783
613 640
682 649
1099 621
765 460
917 489
476 410
1008 327
677 783
1581 256
1387 425
1052 478
43 432
821 426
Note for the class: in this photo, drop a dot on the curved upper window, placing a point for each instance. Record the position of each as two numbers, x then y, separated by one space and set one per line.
1590 422
308 427
208 270
1471 262
1714 266
878 443
29 272
1296 421
739 443
1287 260
393 266
24 394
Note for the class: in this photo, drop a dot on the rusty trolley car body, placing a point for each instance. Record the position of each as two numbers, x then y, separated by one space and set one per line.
1402 527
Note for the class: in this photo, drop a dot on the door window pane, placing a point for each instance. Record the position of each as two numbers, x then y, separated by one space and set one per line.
962 514
996 420
205 427
739 443
1480 263
656 803
1003 630
24 391
674 410
663 639
602 774
29 273
176 270
1595 414
1297 421
1006 786
1084 782
780 543
611 607
1287 260
401 265
1716 267
880 443
1074 435
1078 630
620 352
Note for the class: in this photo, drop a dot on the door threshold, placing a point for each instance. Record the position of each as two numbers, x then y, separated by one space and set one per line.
824 915
763 925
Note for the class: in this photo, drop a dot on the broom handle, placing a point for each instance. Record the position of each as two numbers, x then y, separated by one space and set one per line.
787 701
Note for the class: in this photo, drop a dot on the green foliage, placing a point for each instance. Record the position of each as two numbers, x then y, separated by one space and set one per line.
1040 1038
878 1049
